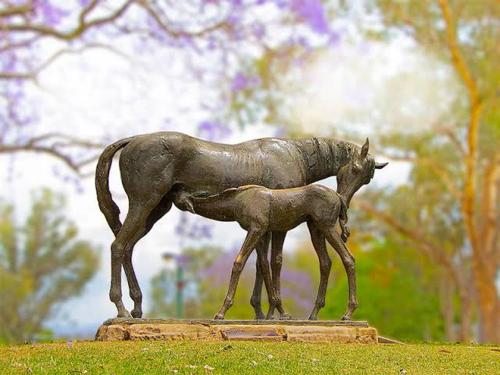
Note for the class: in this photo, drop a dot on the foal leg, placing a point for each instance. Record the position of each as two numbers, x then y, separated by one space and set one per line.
135 291
325 264
255 300
263 262
349 265
278 238
250 243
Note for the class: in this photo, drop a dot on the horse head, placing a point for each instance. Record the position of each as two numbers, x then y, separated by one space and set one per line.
356 173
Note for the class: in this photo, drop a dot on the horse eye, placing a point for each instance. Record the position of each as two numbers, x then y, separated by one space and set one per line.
356 167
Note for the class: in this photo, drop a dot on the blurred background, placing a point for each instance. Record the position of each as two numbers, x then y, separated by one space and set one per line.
419 78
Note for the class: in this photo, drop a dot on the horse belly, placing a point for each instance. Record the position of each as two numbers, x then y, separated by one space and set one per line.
213 171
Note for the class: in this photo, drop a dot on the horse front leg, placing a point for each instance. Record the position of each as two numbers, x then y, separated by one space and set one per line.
349 265
256 298
251 240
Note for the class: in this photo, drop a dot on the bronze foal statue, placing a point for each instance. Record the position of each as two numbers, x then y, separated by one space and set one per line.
260 211
152 166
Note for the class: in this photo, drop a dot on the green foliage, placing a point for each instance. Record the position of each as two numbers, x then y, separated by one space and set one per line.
396 293
42 264
201 357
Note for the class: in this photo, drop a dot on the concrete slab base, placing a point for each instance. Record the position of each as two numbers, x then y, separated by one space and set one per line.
232 330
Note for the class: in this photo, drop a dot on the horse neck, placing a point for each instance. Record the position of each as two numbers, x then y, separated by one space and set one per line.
209 207
323 157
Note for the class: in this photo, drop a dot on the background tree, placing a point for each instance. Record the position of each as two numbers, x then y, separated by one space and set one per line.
42 264
464 35
230 34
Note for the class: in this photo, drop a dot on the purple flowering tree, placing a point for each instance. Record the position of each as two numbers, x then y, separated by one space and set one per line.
239 47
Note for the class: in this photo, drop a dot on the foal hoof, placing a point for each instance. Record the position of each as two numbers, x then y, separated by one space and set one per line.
285 316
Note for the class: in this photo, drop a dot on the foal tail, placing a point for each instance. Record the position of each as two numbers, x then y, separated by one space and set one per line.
106 204
343 219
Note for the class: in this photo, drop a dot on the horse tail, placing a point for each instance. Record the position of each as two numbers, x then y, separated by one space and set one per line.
106 204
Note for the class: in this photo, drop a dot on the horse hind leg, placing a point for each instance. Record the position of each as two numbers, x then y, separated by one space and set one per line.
135 291
132 230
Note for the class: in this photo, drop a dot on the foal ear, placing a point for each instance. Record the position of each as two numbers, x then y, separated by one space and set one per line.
364 149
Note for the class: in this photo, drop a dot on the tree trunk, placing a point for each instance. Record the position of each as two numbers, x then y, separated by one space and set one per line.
447 311
465 315
489 308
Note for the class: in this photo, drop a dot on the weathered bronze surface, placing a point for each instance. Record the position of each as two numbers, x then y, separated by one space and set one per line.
155 166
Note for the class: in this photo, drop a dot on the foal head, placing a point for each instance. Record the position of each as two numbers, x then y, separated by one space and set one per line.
356 173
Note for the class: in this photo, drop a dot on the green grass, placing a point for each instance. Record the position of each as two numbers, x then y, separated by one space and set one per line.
188 357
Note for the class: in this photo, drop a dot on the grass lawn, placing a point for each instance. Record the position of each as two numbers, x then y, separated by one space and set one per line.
188 357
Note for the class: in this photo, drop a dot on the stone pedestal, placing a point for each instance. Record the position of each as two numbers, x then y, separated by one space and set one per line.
229 330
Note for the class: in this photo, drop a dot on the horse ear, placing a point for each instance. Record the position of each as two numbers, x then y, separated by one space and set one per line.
364 149
380 165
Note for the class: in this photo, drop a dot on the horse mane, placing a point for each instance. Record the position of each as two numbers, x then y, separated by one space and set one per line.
226 193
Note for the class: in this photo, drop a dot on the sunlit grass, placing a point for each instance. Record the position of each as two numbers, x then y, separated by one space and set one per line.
187 357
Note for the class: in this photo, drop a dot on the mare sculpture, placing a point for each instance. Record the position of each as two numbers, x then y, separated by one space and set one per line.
153 166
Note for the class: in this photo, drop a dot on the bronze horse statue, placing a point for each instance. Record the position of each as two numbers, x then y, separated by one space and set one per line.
152 166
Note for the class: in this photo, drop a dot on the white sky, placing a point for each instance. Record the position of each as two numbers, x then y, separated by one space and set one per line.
99 92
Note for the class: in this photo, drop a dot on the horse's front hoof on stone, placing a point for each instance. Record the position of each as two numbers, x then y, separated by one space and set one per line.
136 313
124 314
346 317
260 316
219 316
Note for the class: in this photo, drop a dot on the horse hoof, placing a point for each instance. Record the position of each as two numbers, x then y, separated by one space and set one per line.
346 317
124 314
219 317
136 313
260 316
285 316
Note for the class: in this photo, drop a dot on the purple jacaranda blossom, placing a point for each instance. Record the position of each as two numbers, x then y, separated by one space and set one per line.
51 14
193 227
335 38
297 286
259 30
281 3
213 130
313 13
218 271
243 82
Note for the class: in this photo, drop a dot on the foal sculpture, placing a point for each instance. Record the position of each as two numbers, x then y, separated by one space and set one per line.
153 165
259 211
